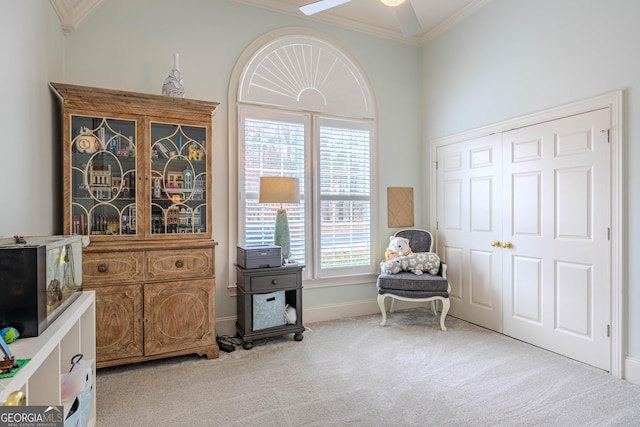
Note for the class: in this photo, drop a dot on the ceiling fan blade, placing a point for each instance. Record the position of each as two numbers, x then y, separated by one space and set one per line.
409 23
321 5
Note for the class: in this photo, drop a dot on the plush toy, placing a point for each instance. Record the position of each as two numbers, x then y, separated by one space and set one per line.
194 153
400 257
391 266
416 262
398 246
9 334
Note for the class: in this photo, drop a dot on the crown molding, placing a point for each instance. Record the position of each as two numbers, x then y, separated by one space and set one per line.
72 12
454 19
337 21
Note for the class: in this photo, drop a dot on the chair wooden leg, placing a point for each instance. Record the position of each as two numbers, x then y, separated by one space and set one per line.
392 308
446 304
383 309
434 307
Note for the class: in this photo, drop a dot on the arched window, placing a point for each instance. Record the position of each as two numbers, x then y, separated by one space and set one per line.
305 109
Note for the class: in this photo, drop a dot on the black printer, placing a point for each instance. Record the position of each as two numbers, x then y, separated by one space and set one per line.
259 256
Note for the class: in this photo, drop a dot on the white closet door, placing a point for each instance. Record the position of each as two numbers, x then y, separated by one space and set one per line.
556 218
469 210
523 222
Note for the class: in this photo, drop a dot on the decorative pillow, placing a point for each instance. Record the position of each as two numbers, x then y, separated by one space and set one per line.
416 262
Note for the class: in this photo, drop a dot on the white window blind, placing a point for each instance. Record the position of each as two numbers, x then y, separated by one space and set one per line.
345 195
272 148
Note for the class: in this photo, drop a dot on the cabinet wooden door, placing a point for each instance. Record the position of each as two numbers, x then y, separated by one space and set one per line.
178 177
119 331
103 174
179 315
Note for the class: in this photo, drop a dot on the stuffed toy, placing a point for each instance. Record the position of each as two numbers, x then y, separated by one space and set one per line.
400 257
9 334
398 246
391 266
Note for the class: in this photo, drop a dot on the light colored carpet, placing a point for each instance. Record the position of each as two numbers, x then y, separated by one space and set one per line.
353 372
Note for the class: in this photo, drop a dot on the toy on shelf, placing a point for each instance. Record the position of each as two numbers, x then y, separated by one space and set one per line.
9 334
194 152
8 363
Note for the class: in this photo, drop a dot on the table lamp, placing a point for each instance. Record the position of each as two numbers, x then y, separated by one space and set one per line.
280 189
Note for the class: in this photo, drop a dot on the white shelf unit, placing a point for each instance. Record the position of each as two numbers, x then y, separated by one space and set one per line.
73 332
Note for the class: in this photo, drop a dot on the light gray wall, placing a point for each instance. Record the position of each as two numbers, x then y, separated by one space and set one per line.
517 57
31 46
128 45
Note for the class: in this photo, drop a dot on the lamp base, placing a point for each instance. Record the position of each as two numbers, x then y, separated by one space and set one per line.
282 236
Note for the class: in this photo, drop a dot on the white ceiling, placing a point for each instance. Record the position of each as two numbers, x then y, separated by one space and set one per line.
366 16
372 17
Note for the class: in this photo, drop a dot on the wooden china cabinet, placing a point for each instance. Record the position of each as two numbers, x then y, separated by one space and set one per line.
137 181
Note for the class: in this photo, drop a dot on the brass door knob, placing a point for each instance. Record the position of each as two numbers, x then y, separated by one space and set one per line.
507 245
102 268
495 243
179 263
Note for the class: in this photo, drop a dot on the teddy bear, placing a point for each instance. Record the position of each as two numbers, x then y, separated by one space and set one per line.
398 246
400 257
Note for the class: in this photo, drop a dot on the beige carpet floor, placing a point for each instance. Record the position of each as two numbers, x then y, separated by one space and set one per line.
353 372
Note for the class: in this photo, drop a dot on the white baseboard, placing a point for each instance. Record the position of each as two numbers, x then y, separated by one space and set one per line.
632 370
321 313
226 325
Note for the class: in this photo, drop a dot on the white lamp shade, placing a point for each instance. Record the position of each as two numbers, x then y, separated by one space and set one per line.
279 189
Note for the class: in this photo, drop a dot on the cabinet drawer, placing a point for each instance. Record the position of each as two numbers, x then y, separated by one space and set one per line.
179 264
272 282
109 267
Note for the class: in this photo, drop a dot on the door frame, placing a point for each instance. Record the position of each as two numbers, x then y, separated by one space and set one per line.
613 101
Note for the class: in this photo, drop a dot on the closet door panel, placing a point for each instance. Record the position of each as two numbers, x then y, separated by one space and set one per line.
556 275
469 223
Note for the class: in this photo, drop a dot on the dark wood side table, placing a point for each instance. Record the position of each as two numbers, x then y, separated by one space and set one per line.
259 281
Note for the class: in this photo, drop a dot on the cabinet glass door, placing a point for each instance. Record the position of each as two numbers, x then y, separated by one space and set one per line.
178 179
103 176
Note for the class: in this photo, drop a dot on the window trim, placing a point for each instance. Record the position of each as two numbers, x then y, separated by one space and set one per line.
234 103
262 112
319 273
312 124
